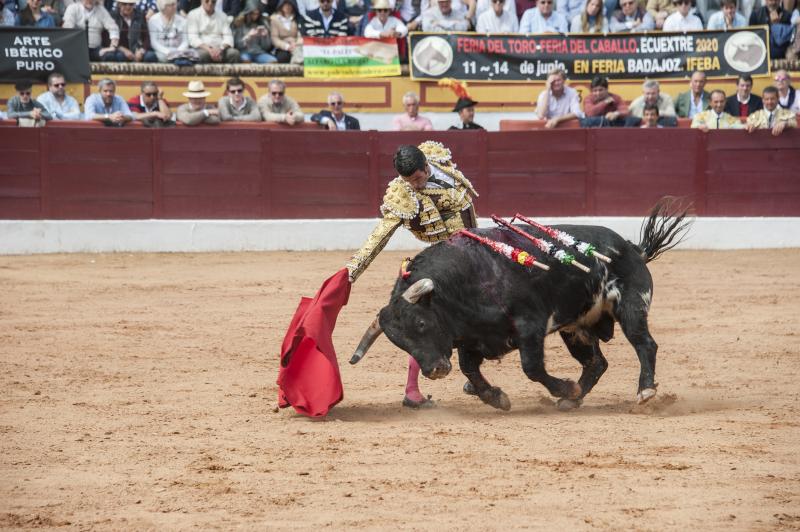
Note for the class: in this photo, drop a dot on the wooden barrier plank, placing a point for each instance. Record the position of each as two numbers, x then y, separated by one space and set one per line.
753 205
193 207
181 140
100 209
20 208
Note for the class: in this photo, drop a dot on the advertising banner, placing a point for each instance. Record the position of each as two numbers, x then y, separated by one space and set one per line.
516 57
33 54
350 57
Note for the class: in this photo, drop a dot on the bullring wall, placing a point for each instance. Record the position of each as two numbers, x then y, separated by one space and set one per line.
230 172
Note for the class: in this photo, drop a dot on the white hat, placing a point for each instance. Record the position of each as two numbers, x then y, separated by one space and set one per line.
381 4
196 89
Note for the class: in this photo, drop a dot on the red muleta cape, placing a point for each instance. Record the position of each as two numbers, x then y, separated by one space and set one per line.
309 378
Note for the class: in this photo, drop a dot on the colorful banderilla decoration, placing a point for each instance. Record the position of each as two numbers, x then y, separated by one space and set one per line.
510 252
568 240
544 245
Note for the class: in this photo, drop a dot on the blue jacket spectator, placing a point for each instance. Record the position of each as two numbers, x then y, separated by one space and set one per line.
106 107
32 15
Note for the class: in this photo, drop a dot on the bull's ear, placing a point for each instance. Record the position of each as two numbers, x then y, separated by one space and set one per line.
417 290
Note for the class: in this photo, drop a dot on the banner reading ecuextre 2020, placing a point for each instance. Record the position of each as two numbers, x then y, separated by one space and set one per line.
514 57
33 54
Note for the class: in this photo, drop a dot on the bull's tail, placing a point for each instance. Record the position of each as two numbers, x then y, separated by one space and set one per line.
665 228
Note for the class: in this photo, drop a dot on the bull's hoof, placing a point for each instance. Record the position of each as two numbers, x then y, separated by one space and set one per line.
469 389
497 398
565 405
574 391
645 395
416 405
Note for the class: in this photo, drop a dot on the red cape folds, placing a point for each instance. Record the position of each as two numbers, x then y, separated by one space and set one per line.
309 377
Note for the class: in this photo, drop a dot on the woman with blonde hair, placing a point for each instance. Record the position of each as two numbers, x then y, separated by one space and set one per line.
591 19
286 33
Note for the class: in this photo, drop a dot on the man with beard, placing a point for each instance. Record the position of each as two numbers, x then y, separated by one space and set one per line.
58 103
106 107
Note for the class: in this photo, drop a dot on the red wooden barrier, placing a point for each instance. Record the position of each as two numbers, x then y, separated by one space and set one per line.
245 172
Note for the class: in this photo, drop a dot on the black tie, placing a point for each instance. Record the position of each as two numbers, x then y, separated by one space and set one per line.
717 121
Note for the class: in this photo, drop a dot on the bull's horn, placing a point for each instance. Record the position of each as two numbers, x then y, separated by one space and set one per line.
417 290
367 340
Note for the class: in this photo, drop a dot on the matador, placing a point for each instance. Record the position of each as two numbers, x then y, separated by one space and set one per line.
433 200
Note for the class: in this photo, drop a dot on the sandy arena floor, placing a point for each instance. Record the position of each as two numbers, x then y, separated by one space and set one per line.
139 393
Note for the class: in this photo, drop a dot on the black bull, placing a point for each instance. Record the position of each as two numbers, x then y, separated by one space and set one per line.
462 295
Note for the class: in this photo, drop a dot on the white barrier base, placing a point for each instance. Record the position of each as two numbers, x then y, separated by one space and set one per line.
102 236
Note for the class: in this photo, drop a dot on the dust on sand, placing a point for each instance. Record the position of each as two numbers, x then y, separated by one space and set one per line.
138 393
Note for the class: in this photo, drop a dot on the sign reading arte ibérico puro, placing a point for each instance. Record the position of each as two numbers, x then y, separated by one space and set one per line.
32 54
509 57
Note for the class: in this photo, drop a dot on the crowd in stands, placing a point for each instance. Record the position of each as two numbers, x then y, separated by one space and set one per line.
266 31
776 109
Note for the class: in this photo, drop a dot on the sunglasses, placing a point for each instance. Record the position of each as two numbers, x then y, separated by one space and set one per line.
498 1
546 2
237 91
275 93
150 93
337 104
59 84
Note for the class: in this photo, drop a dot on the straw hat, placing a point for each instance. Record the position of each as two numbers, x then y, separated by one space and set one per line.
126 1
381 4
196 89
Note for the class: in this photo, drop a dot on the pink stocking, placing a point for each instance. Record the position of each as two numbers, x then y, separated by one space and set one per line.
412 384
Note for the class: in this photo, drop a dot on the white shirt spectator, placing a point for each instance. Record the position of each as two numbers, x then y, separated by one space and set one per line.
211 30
566 104
375 27
488 22
509 6
717 21
94 21
677 22
434 20
66 110
533 22
170 38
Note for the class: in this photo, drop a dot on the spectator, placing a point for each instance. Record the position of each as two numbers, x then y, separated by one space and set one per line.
334 118
743 103
285 33
682 19
411 119
787 96
106 107
793 50
659 10
696 99
168 35
542 19
25 109
651 95
591 19
55 8
383 25
558 103
34 15
650 117
194 112
251 35
146 8
91 16
716 117
465 107
58 103
485 6
235 105
570 9
210 35
275 106
498 19
772 116
727 19
150 107
325 22
443 17
603 108
631 17
134 39
781 25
